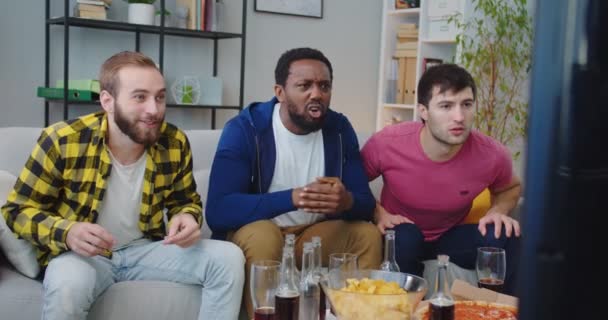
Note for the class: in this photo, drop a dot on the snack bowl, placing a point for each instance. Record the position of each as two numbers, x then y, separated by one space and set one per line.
384 303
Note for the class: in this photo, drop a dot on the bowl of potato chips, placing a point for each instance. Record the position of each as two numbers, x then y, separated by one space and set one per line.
374 294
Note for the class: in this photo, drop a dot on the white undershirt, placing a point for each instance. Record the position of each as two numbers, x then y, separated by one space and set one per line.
120 208
300 160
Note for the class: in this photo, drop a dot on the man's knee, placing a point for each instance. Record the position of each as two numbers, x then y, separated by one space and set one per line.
365 232
70 282
366 242
408 233
231 255
259 240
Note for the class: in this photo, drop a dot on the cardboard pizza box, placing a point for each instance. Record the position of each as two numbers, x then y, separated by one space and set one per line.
462 290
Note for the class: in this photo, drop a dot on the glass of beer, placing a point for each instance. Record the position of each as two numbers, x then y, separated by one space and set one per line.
263 285
491 268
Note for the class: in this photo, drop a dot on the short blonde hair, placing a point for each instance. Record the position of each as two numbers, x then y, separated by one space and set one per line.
108 75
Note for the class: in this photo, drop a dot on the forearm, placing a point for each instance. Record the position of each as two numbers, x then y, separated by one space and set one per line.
193 209
185 201
504 201
362 208
234 210
183 197
50 230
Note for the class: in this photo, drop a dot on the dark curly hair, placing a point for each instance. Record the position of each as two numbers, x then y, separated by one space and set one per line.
281 72
447 77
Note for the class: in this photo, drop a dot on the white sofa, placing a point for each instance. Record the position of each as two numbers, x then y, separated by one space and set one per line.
21 297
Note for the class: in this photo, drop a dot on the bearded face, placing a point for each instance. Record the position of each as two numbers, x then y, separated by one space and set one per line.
145 130
310 118
139 105
305 96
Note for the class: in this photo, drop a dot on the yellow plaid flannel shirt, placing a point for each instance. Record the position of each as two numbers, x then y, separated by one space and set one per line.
65 177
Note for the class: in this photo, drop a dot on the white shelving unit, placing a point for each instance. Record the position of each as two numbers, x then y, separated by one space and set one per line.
436 40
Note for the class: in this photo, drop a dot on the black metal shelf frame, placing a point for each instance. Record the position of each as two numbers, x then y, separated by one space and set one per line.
66 21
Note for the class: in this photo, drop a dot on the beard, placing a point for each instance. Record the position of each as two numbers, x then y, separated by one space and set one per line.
145 136
303 120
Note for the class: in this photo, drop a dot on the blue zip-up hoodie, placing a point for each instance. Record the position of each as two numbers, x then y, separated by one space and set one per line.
244 164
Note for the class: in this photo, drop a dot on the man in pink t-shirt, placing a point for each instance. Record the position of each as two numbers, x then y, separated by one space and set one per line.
432 171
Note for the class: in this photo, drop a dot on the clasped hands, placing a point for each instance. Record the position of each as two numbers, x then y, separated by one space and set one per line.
325 195
90 239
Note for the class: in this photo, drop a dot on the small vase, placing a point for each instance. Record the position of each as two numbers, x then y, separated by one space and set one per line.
141 13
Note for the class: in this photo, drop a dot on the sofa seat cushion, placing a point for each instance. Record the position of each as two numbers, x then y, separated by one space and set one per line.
148 300
20 297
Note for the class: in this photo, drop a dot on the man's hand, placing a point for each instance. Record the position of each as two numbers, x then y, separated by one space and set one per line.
326 195
184 231
498 219
385 220
88 239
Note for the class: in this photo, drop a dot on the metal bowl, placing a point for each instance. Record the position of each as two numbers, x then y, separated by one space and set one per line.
357 305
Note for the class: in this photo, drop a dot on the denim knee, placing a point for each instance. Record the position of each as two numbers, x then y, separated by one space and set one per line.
69 286
229 259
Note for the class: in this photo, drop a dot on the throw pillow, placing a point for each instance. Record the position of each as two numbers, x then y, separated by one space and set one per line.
19 252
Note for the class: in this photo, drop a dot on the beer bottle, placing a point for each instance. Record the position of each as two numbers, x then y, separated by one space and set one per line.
442 303
288 295
389 263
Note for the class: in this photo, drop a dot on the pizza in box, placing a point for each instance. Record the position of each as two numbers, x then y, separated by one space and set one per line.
475 310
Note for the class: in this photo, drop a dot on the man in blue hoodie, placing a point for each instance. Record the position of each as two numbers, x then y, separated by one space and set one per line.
292 165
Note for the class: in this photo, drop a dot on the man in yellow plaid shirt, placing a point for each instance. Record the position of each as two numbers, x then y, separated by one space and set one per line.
92 195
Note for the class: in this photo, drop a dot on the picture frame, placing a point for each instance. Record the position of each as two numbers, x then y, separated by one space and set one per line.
302 8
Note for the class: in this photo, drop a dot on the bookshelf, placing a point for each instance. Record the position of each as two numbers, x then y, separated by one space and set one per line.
67 21
400 69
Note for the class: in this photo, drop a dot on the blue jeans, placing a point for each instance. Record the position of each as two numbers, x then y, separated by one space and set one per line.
73 282
460 243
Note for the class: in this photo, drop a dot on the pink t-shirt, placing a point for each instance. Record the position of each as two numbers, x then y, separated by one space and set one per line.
435 195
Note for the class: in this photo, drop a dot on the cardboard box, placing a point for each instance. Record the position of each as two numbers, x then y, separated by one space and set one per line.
462 290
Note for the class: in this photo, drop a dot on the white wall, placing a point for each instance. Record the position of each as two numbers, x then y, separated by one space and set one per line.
348 34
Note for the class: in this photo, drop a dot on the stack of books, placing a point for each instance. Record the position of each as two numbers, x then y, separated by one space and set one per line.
407 41
92 9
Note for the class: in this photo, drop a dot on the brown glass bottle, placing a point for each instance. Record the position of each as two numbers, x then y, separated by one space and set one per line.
287 297
441 302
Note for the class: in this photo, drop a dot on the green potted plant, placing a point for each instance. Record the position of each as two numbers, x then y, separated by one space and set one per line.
495 45
141 11
157 16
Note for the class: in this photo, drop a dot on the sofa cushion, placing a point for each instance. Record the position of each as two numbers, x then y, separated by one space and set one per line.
20 297
19 252
202 185
178 301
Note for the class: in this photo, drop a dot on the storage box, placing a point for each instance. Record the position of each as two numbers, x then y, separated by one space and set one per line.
81 84
440 29
443 8
73 95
